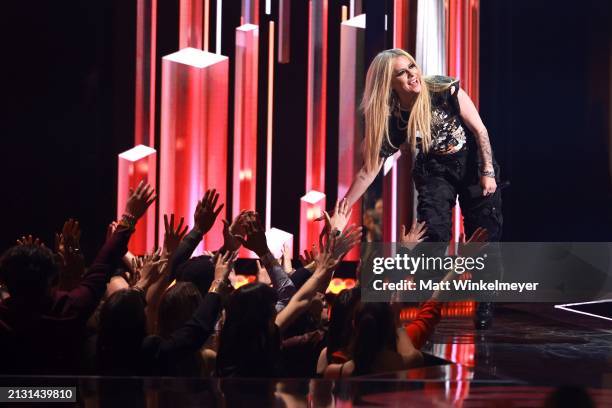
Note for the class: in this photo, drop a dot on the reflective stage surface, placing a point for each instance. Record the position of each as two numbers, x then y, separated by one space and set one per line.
522 361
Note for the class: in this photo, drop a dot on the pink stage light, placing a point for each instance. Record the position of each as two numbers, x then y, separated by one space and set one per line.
134 165
269 125
284 31
463 54
316 104
350 127
245 121
146 43
250 12
311 208
190 23
194 124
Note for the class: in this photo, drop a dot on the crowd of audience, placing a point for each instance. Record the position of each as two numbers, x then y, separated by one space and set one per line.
169 313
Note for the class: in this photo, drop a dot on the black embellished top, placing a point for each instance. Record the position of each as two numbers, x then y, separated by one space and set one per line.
448 132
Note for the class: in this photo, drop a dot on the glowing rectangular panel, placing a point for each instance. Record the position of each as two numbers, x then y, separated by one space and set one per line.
245 118
311 208
350 124
284 31
250 11
316 103
276 239
194 121
146 43
134 165
244 181
269 125
390 181
190 23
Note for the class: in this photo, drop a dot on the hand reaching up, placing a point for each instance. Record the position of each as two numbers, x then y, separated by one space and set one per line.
255 238
140 200
152 270
325 260
415 236
346 241
476 243
30 240
285 259
205 213
173 236
262 274
224 263
69 258
339 218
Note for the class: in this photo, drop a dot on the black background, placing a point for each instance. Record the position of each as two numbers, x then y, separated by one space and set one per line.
68 93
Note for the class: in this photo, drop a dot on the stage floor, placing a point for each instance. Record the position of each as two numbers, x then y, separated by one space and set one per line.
531 350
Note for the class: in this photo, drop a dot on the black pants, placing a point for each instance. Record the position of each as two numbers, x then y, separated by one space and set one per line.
439 179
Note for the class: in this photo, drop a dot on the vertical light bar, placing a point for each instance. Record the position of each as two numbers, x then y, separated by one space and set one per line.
218 27
134 165
316 104
190 23
245 119
311 207
193 134
146 44
206 25
284 31
431 37
343 14
269 125
250 12
268 7
390 181
350 126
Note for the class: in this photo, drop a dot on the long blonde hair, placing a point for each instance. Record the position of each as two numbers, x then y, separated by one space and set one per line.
377 106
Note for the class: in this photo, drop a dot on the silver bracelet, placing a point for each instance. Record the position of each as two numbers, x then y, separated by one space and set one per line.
487 173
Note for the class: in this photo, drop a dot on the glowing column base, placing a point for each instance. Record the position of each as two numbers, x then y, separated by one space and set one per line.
193 134
312 206
134 165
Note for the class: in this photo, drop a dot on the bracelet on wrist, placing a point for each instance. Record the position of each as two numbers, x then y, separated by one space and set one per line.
487 173
218 286
128 220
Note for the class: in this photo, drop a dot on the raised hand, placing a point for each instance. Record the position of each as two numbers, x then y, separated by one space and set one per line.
476 243
173 236
347 240
139 200
325 260
415 236
224 264
110 230
255 238
285 259
205 213
340 217
153 269
30 240
262 274
309 257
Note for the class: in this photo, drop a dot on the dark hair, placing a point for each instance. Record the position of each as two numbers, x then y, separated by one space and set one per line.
375 331
121 330
198 270
28 270
177 306
341 320
250 341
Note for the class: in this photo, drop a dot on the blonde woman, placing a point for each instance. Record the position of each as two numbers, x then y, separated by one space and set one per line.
436 119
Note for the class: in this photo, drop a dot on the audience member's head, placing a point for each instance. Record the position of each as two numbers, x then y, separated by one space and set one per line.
198 270
375 331
177 306
249 341
121 330
28 271
341 321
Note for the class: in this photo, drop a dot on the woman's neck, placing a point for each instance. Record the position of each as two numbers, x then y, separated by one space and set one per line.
407 101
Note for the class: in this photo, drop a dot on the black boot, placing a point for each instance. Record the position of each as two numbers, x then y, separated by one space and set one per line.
484 315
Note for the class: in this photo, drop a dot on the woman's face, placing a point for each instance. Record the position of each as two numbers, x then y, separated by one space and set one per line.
406 77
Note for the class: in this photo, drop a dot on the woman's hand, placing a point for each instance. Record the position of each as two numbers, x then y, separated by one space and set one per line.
488 185
416 235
